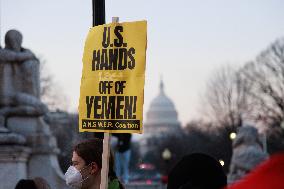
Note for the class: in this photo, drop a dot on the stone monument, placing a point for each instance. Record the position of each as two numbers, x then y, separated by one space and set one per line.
247 153
28 149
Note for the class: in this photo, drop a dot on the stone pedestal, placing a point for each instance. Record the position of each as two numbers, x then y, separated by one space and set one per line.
13 165
43 160
47 167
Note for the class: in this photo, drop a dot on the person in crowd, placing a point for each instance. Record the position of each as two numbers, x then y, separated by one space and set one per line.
122 155
85 171
36 183
25 183
197 171
267 175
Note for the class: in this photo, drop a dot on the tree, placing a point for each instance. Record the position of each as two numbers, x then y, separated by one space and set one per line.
266 94
50 92
255 92
225 97
198 137
206 137
266 75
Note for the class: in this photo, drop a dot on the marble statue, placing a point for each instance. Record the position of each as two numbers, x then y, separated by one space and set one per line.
19 80
28 148
247 153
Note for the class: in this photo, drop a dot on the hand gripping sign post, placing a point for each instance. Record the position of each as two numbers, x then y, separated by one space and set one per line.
112 84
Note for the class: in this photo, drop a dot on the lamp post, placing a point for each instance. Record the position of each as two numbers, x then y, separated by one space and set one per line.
166 155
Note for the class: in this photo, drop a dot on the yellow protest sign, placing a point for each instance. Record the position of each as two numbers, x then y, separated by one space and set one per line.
113 76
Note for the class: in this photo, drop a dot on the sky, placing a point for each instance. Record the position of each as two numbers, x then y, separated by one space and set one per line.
187 40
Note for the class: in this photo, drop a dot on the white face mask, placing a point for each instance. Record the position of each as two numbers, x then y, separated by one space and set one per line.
74 178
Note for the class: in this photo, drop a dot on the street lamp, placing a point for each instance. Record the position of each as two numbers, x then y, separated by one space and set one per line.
166 155
222 162
233 135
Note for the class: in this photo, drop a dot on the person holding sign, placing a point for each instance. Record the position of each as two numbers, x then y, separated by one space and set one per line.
85 172
122 155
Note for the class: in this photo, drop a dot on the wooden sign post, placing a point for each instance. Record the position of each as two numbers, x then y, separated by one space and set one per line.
105 162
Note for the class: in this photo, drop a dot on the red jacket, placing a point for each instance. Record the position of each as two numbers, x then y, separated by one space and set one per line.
268 175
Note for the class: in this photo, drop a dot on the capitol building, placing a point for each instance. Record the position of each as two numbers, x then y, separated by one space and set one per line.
161 119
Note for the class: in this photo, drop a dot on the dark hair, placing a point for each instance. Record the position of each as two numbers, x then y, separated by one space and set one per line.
197 171
26 183
91 150
41 183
